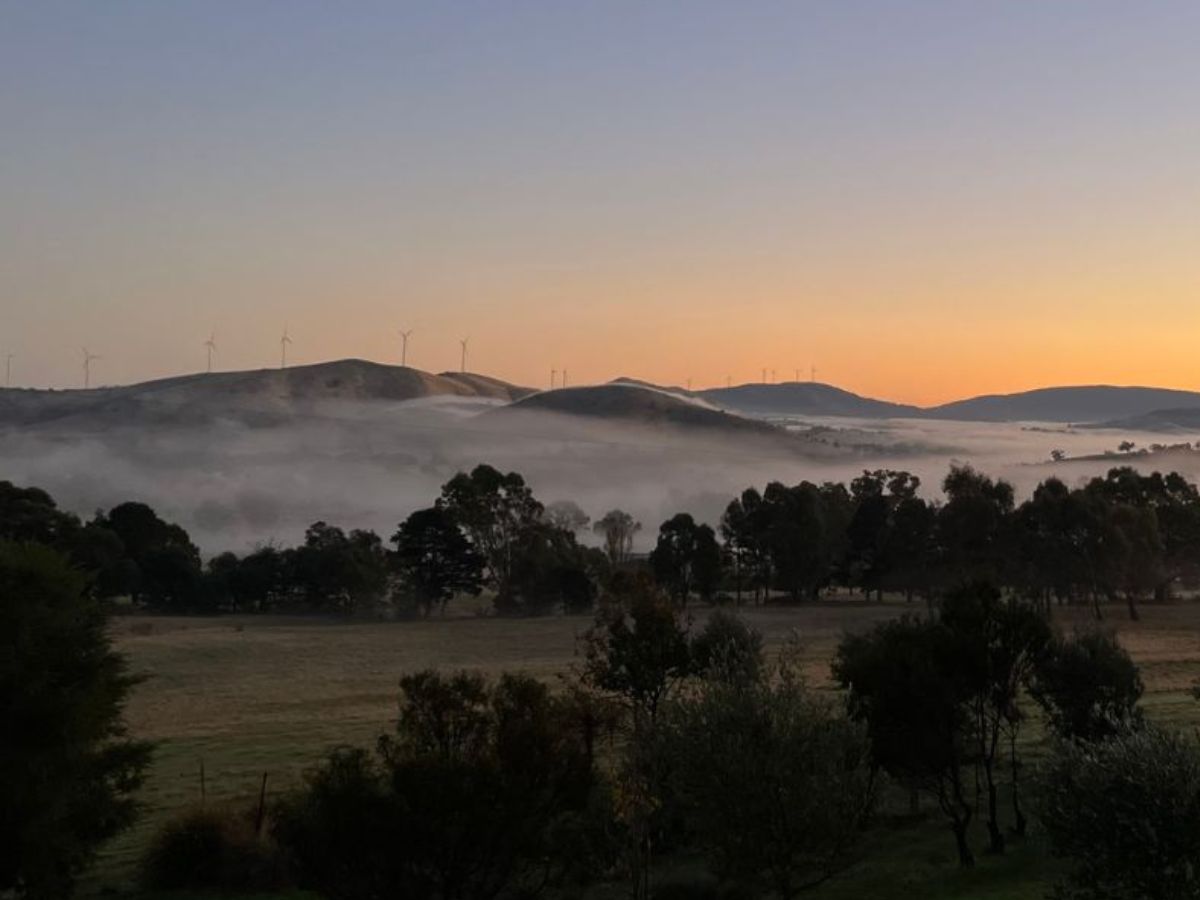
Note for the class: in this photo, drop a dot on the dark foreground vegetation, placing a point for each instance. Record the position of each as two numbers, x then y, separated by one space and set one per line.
666 741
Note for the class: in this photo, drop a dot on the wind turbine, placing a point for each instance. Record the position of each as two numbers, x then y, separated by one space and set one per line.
813 372
553 375
8 370
283 345
463 342
88 359
404 336
564 381
211 346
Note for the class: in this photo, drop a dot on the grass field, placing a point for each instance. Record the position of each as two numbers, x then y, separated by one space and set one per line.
248 695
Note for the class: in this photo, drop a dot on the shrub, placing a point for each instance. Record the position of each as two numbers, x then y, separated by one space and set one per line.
1088 687
1126 812
214 848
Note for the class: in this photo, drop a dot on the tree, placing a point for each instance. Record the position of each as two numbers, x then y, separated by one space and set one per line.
773 783
163 565
618 528
998 644
744 531
1088 687
1126 813
905 685
567 515
68 769
339 572
971 526
683 557
494 509
637 650
434 560
470 799
550 570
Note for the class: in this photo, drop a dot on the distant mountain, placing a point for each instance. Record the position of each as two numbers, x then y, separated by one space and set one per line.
1090 403
634 404
1168 421
258 397
804 398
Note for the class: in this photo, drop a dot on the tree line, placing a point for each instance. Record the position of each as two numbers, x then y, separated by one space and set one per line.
1120 538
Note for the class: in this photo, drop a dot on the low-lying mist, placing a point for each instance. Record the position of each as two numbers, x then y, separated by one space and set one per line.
369 465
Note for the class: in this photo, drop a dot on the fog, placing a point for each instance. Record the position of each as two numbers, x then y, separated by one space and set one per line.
370 464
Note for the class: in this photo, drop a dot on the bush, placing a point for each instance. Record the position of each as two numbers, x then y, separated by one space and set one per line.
1088 687
213 848
774 784
484 791
1126 812
728 649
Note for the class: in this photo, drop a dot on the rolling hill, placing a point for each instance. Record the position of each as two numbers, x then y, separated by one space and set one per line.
634 404
1088 403
804 398
257 397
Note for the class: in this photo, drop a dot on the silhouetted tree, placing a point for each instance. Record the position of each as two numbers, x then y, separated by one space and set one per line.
495 510
338 572
567 515
434 560
617 528
162 565
68 770
905 685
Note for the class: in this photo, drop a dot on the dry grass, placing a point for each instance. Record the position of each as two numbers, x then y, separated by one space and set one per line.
252 694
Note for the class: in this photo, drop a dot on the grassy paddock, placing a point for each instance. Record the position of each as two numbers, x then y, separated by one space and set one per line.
254 694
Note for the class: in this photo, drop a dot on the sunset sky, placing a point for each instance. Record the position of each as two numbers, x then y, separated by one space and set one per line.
923 200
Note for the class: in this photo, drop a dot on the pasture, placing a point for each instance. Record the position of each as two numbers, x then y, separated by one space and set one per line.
244 695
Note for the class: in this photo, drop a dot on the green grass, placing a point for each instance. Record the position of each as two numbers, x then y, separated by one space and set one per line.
248 695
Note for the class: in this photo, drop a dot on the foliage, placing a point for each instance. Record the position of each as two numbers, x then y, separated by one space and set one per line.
1088 687
637 650
1126 812
905 685
434 560
212 847
617 528
686 558
773 783
728 649
68 770
494 509
476 796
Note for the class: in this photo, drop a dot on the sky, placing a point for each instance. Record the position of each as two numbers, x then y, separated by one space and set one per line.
923 201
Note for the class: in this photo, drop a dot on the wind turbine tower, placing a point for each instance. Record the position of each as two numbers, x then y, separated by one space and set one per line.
283 345
8 370
464 342
553 376
813 373
564 381
88 359
211 347
404 336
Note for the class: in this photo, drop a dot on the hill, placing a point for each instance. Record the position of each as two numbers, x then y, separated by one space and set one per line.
804 398
257 397
637 405
1168 421
1088 403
